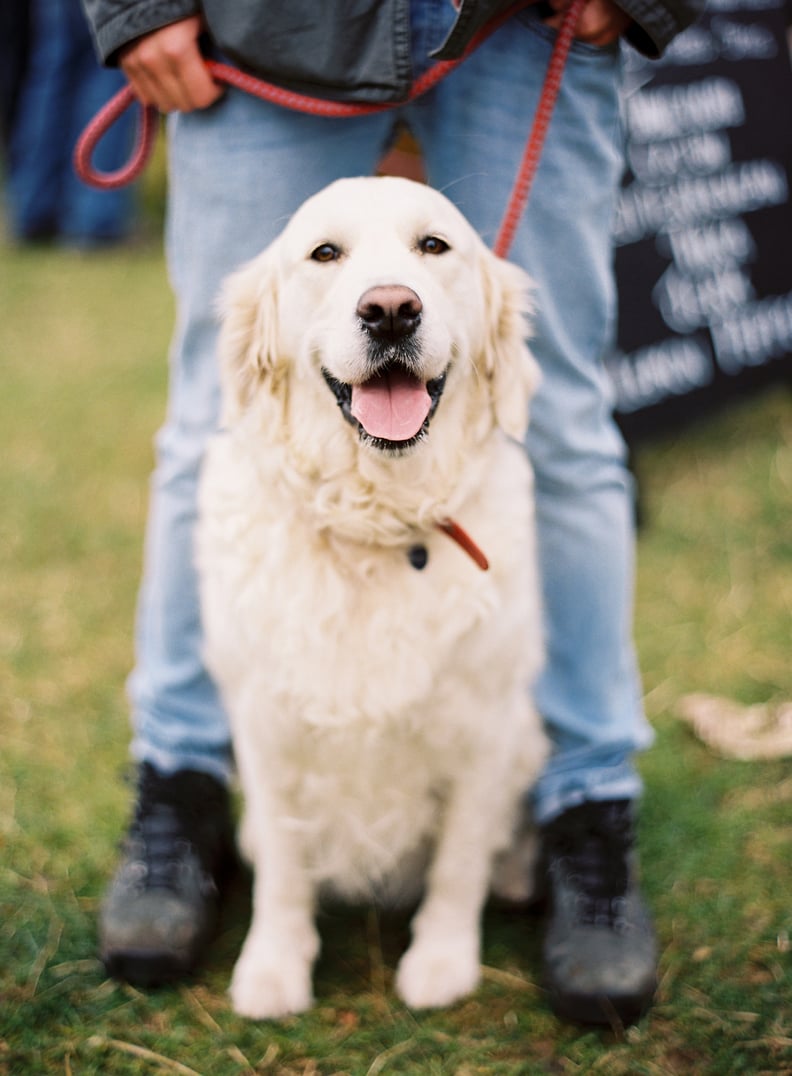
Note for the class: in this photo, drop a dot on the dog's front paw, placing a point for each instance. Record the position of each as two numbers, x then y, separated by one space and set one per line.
271 985
434 974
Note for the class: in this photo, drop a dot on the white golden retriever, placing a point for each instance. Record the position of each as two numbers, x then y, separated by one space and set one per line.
377 678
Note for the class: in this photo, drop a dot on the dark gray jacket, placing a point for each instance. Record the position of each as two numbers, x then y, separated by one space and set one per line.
346 50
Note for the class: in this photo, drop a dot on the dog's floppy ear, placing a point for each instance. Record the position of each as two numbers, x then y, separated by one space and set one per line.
508 365
248 342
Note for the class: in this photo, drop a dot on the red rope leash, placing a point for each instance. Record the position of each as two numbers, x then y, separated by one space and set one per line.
536 139
231 76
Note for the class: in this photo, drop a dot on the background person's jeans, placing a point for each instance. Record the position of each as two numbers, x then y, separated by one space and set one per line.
238 171
62 89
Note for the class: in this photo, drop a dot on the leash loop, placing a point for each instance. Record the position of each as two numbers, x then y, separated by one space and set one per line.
266 91
96 130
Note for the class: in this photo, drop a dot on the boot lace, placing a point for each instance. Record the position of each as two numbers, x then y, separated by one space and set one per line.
178 819
590 851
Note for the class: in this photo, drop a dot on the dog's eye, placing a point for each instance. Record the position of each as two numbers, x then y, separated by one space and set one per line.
432 244
326 252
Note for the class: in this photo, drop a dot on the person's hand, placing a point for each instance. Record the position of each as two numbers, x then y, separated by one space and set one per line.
166 69
601 22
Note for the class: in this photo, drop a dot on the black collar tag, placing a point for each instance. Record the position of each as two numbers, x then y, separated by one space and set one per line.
418 556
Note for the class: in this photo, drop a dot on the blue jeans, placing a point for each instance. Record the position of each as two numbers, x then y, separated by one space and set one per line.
238 171
63 88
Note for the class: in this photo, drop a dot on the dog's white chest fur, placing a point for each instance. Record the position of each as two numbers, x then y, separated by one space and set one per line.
365 686
381 715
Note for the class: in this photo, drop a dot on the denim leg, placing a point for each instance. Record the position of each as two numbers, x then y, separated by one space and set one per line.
473 129
38 154
237 172
87 215
64 86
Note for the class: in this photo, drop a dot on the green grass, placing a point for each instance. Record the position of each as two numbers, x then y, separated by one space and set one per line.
82 346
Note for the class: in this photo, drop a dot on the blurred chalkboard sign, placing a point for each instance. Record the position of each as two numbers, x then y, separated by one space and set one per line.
704 223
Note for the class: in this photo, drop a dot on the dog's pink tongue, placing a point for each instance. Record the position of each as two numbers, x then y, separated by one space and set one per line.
393 405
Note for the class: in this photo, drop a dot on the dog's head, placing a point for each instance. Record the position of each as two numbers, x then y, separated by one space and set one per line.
378 309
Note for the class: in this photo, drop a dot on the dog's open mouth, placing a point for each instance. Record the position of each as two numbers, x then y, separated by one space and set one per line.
391 410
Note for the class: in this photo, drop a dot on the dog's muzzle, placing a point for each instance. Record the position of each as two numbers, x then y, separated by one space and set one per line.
393 407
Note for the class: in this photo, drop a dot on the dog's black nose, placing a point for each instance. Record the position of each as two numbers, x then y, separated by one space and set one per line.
390 312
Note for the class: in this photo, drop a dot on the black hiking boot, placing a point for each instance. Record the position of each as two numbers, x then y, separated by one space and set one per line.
599 952
161 908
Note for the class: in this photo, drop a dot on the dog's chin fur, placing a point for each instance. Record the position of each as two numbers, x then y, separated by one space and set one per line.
381 715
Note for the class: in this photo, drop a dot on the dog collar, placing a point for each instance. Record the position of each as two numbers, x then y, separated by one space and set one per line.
464 541
418 555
